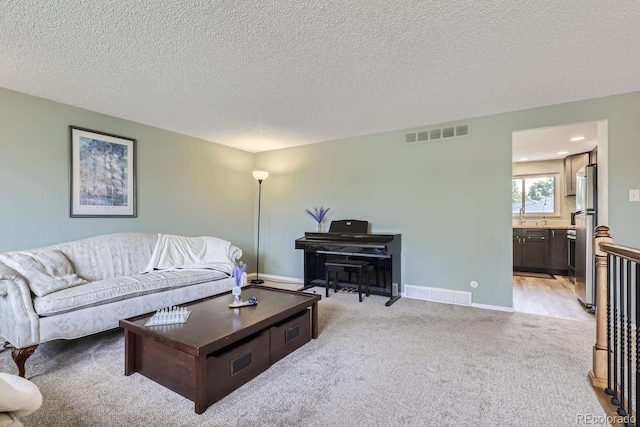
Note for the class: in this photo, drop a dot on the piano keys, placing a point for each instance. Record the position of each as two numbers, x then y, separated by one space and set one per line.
382 251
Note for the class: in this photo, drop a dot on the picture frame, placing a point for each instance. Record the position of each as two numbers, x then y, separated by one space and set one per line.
102 174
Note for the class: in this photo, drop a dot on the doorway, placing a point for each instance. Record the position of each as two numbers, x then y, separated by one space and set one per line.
544 161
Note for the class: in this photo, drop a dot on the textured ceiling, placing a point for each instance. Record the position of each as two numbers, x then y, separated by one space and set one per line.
262 75
553 142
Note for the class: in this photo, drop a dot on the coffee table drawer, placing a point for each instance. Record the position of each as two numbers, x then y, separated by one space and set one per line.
231 367
290 334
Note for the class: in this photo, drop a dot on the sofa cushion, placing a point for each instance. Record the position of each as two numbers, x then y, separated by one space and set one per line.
120 288
46 270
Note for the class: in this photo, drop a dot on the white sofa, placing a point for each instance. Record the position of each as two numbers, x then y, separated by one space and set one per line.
79 288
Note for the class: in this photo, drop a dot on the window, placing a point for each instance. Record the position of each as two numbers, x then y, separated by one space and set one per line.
536 193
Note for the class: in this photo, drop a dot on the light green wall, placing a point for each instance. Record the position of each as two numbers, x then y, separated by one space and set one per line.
185 185
450 200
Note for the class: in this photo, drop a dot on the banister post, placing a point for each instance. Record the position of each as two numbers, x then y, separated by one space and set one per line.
598 374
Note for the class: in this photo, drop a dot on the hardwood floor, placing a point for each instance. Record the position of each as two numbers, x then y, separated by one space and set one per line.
549 296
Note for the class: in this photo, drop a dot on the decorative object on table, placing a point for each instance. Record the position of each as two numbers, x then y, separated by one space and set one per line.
103 175
169 316
238 270
259 176
236 292
318 215
251 301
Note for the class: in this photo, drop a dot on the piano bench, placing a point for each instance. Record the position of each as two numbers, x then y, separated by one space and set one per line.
345 265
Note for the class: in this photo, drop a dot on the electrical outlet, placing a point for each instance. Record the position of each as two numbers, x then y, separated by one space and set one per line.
634 195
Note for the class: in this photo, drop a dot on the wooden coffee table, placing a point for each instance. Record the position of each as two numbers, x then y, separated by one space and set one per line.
220 348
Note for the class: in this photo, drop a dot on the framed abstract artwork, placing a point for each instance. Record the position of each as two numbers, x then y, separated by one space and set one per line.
103 174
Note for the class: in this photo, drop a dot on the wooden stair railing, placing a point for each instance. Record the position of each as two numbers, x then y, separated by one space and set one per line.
616 361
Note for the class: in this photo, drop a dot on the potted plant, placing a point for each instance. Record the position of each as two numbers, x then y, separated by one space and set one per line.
318 215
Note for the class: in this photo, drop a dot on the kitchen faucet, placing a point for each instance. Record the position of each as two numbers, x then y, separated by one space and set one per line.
522 216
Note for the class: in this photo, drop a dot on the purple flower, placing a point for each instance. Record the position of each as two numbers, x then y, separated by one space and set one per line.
238 269
318 214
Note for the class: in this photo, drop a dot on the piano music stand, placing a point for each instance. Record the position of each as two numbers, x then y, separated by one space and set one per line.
349 226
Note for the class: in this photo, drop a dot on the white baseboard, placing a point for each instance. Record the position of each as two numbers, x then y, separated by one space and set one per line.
275 278
493 307
402 294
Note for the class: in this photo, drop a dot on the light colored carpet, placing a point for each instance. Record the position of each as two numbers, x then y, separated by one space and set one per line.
415 363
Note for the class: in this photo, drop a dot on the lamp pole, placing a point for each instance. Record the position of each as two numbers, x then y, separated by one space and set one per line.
259 176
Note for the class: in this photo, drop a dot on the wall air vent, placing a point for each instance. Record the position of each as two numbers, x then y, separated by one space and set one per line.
438 295
423 136
462 130
438 133
448 132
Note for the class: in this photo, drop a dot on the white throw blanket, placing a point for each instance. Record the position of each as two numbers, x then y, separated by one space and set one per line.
18 397
192 253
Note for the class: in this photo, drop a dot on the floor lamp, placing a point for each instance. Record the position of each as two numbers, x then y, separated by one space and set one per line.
259 176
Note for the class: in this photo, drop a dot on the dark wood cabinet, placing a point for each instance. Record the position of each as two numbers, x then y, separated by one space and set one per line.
517 248
530 248
535 244
558 250
540 250
572 165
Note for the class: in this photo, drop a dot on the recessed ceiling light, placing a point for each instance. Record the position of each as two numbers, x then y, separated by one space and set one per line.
563 152
524 159
577 138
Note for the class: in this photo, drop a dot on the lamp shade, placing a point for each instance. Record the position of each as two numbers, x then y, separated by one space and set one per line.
260 175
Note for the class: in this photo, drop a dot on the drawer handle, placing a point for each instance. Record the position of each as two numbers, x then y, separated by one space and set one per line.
240 363
291 333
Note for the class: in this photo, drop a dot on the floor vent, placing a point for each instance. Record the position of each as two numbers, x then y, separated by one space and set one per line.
438 295
438 133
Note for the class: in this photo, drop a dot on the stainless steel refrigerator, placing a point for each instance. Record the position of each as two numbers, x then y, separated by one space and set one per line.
586 221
